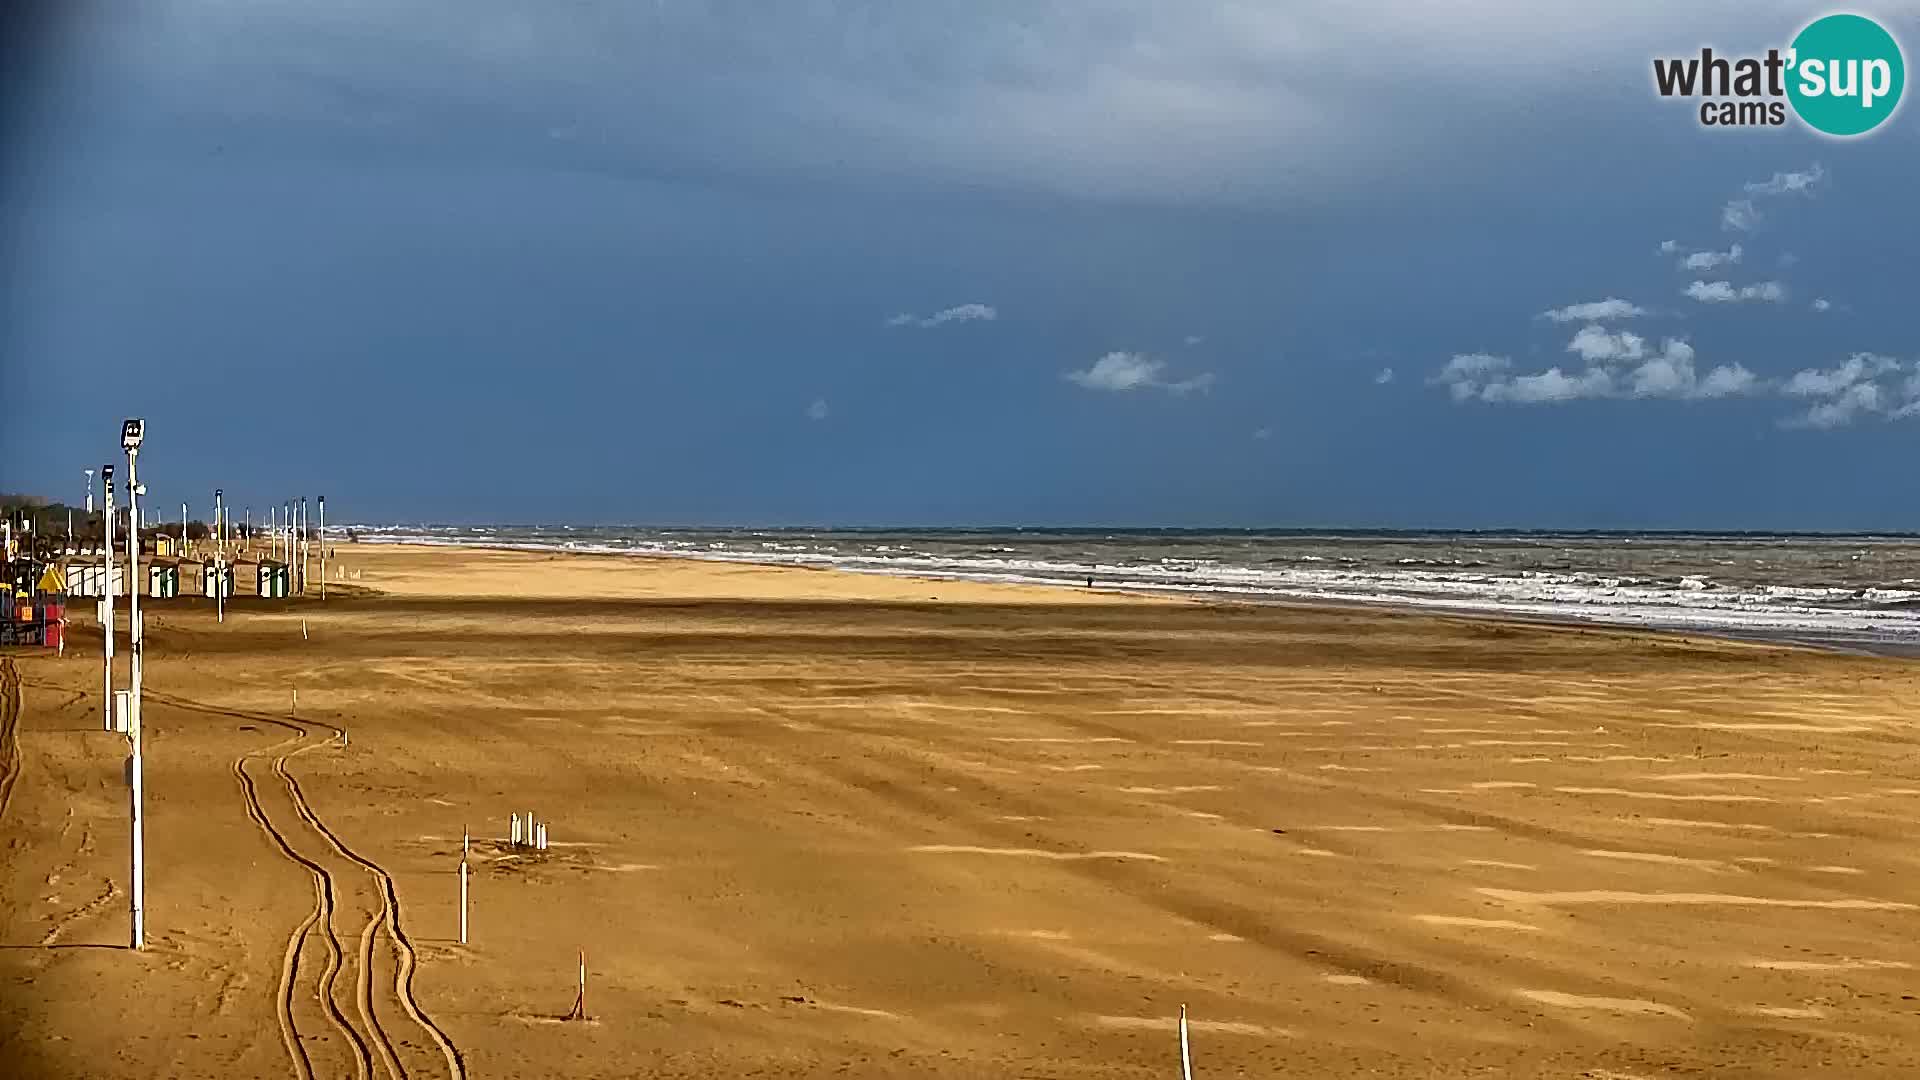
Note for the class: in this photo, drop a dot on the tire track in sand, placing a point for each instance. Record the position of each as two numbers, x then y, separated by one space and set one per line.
404 953
363 982
9 731
388 918
321 915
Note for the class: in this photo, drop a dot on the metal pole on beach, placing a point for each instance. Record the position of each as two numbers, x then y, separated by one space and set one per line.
131 436
306 544
219 560
106 600
323 547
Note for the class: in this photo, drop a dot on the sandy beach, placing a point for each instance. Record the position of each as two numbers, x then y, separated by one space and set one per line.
809 823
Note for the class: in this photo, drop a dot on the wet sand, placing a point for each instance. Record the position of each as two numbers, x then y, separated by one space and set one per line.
810 823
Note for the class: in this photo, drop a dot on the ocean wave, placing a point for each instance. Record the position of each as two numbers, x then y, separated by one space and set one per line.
1558 586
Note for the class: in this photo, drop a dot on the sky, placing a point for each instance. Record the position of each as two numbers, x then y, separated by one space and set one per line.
1046 262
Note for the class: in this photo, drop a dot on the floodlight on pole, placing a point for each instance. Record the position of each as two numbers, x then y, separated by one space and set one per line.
132 433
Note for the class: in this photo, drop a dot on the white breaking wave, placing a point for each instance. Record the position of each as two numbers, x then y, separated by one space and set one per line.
1690 601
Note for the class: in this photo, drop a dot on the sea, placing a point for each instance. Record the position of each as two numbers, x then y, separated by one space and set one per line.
1854 592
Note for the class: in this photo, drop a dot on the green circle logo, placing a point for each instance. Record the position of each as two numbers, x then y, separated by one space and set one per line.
1847 74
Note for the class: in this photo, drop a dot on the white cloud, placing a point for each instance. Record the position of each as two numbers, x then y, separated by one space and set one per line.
1740 215
1549 386
1852 389
1743 215
1192 339
1263 433
1841 409
1468 365
1666 372
1382 379
1789 183
1727 380
1724 292
958 313
1708 260
1668 247
1595 344
1594 311
1821 303
817 410
1821 382
1119 372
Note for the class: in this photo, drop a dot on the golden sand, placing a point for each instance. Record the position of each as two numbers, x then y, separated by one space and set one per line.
808 823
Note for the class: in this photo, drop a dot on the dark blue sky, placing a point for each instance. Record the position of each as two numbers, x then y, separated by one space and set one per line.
647 262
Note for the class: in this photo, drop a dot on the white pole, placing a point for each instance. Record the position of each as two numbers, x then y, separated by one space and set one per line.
183 532
516 830
89 473
134 637
219 559
463 901
106 605
306 545
323 547
1186 1059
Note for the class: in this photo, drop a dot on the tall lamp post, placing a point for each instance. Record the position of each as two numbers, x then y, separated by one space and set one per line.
107 597
219 558
131 435
306 545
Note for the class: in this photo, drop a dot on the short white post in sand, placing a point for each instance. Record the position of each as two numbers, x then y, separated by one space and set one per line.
303 629
543 836
295 707
1186 1059
466 843
463 901
579 1010
516 830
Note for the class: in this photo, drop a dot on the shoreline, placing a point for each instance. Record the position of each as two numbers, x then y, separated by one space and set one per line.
1755 639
